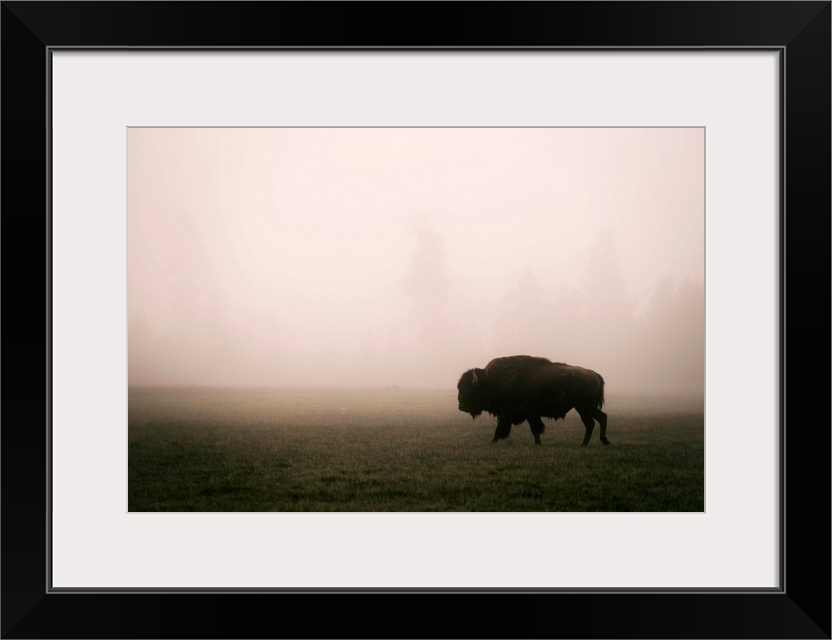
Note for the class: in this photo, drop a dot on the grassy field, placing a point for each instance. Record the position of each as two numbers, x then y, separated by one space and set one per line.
394 450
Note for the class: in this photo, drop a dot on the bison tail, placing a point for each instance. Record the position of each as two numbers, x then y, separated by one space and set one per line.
601 393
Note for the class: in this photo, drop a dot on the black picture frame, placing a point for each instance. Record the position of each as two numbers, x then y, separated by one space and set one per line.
799 31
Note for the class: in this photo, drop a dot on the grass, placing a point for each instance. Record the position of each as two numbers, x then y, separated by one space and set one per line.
392 450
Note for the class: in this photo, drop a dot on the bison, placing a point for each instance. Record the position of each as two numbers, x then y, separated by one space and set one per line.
518 388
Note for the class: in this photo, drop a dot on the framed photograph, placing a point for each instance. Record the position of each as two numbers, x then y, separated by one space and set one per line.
264 262
327 296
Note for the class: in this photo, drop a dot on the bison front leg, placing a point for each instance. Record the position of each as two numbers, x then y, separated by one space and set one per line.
537 427
503 429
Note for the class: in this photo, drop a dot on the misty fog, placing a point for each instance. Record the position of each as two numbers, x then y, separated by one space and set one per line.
334 257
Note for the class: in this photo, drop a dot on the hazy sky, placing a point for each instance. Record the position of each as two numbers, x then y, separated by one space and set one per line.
342 257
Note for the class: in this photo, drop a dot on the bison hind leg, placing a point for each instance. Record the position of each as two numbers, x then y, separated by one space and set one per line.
589 425
537 427
587 416
601 417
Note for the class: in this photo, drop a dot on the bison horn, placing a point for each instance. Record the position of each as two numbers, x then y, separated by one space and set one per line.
474 379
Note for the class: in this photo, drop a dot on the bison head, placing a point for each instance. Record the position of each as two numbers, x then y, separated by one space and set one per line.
470 392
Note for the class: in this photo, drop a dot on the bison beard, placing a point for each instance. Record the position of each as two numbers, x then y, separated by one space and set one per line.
520 388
